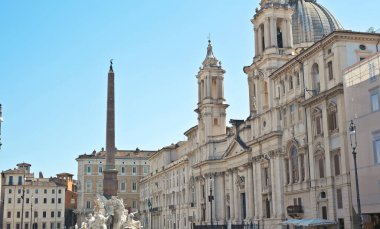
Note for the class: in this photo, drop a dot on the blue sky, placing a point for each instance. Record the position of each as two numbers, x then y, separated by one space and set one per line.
54 58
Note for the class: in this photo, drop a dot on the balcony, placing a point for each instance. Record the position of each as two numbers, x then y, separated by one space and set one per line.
155 210
294 211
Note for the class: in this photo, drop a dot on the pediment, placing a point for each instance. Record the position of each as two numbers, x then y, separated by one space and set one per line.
234 149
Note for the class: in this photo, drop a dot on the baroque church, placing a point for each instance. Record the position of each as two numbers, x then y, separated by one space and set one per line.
290 158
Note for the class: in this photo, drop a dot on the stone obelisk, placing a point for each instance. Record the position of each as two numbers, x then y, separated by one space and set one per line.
110 183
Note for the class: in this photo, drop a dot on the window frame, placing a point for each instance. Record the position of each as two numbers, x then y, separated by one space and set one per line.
374 92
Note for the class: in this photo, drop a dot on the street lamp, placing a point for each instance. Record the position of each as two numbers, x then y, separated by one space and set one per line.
353 141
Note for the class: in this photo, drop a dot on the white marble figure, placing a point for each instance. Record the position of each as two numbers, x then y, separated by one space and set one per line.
110 211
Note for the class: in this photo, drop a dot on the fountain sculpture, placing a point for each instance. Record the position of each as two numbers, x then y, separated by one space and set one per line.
110 213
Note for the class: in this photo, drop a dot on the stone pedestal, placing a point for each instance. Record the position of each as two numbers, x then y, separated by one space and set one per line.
110 183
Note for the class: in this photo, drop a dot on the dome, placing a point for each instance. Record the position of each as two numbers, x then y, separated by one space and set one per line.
311 21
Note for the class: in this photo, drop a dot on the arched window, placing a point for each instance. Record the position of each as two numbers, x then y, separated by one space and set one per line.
294 160
279 38
316 78
332 113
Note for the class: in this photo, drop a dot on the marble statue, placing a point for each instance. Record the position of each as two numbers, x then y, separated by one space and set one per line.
110 214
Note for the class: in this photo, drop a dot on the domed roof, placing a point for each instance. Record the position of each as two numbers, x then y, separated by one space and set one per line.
311 21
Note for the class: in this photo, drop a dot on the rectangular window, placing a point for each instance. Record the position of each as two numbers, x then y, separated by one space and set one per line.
372 71
100 169
134 170
339 198
134 205
88 204
134 186
9 200
10 191
59 214
52 214
330 70
27 214
36 191
290 82
51 225
10 180
27 200
59 191
8 226
58 225
53 191
318 125
36 214
122 186
44 214
45 200
36 200
88 169
145 169
45 191
9 214
19 200
299 201
292 113
19 180
59 200
376 150
266 177
18 215
123 170
375 100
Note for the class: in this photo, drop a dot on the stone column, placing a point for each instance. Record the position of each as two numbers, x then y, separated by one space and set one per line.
256 34
237 199
285 34
266 33
273 31
259 41
273 186
219 198
209 83
232 201
290 32
249 192
256 192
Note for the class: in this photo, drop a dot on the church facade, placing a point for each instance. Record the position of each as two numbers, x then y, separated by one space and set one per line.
290 158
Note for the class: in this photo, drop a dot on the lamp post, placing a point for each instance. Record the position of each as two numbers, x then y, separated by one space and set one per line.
353 141
210 199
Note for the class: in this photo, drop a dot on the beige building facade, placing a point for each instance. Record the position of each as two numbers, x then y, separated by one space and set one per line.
29 202
131 165
362 98
290 158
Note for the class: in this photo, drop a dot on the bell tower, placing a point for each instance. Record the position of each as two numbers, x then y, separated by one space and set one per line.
211 107
273 33
273 27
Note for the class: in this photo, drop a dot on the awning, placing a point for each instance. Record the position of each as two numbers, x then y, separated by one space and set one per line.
315 222
291 222
308 222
